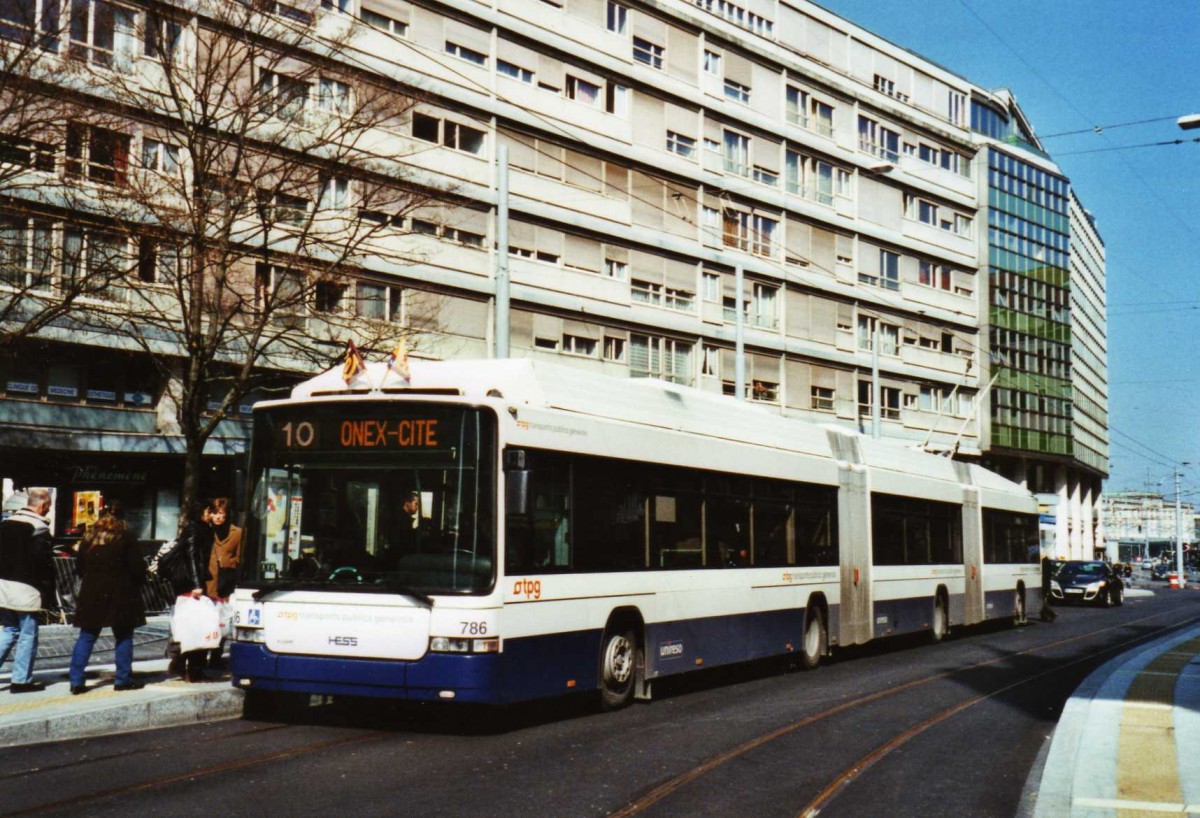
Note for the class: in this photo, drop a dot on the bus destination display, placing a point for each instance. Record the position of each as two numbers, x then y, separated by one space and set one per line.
339 434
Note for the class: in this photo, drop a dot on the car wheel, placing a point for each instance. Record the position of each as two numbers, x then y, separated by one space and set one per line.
1106 601
618 667
1121 595
815 639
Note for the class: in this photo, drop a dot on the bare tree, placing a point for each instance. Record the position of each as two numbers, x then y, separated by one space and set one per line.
34 110
264 201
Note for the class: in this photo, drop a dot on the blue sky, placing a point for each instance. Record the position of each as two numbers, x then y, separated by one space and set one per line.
1076 64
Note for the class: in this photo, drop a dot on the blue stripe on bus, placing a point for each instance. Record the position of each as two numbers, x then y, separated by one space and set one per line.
897 616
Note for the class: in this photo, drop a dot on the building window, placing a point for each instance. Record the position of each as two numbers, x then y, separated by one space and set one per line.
877 140
548 344
160 37
765 391
578 345
26 253
378 302
647 53
159 156
97 154
616 269
95 28
737 153
710 363
766 177
939 276
653 356
764 311
507 69
614 348
889 401
737 92
94 255
335 193
464 53
888 87
711 287
712 63
583 91
617 18
451 134
616 99
889 335
333 96
281 95
680 144
329 296
375 20
821 398
750 232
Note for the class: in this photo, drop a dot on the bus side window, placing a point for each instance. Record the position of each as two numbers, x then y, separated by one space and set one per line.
540 539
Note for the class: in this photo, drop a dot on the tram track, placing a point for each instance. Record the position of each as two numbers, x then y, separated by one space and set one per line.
193 774
839 784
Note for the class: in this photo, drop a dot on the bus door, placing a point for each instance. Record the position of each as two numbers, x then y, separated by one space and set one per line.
856 614
972 534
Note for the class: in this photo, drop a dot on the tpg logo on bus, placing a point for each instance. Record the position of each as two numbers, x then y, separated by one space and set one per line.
528 588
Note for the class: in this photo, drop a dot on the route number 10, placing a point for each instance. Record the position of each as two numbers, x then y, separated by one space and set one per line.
298 434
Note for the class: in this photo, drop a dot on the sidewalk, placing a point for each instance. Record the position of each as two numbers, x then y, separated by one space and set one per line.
54 714
1126 741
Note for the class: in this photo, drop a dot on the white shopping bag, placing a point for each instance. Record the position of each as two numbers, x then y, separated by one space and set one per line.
225 618
196 624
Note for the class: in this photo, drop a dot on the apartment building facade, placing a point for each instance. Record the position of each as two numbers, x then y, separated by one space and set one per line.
658 155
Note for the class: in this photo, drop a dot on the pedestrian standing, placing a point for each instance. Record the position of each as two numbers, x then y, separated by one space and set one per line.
1048 614
222 564
26 569
195 541
113 570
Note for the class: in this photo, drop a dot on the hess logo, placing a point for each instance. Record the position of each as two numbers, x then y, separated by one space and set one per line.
344 641
528 588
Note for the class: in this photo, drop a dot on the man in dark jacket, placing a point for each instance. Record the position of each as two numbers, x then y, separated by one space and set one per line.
26 568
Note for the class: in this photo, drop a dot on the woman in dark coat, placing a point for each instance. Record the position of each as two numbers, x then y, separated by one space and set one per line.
112 568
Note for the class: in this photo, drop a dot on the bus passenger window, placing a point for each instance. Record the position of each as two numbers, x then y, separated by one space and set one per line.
540 539
727 525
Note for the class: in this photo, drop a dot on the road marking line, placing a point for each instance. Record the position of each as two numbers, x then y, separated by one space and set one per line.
1144 806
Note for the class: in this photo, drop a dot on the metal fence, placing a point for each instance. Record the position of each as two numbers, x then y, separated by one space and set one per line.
157 594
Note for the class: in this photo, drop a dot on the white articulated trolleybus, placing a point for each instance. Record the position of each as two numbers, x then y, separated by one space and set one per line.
503 530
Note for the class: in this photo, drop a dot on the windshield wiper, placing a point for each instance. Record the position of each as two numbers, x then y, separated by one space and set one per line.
289 585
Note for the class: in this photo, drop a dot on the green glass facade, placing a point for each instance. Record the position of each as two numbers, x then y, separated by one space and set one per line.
1029 310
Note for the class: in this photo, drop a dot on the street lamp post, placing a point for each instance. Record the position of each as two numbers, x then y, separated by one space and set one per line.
1179 531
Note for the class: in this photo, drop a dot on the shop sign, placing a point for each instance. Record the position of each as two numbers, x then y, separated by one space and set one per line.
22 386
92 474
102 394
137 399
62 391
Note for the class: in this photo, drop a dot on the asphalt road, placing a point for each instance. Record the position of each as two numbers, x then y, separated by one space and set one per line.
895 729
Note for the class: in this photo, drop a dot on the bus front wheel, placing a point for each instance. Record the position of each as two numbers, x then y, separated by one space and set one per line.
618 668
815 639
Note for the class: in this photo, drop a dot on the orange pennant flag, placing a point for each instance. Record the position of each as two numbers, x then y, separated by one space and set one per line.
354 363
398 360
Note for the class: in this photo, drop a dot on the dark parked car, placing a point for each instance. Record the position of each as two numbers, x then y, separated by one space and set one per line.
1088 581
1162 570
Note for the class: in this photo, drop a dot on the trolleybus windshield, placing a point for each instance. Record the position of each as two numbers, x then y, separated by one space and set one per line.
373 496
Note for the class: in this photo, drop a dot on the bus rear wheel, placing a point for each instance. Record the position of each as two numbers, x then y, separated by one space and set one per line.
939 626
618 668
815 639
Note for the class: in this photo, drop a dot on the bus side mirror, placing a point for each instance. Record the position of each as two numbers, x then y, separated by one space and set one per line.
516 481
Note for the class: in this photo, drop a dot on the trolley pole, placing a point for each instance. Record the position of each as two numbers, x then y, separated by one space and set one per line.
502 279
1179 535
739 355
